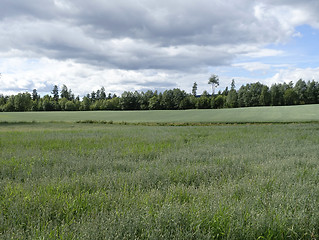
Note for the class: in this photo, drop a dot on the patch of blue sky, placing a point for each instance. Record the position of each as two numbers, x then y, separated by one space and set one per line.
301 51
15 65
240 72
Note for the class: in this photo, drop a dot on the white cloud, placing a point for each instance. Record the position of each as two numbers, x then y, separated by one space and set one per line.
287 75
263 52
253 66
133 45
259 66
83 78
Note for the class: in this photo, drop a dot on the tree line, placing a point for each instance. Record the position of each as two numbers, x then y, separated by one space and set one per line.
249 95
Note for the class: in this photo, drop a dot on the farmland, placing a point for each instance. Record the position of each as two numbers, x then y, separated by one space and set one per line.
306 113
110 181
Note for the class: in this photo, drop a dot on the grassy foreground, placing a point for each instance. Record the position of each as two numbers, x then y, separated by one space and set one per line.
304 113
94 181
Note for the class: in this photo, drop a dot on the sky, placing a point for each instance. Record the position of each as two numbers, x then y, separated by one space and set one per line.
140 45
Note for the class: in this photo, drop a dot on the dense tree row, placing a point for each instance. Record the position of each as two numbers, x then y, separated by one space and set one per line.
249 95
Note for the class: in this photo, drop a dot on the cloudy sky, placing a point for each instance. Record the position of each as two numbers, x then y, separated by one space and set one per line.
151 44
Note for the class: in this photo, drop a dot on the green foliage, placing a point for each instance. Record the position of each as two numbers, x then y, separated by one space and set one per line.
22 102
172 99
312 92
194 89
265 97
65 92
301 91
103 94
277 95
154 103
129 101
55 92
70 106
203 102
231 99
9 105
249 95
218 102
214 81
232 85
35 95
97 181
47 104
85 105
290 97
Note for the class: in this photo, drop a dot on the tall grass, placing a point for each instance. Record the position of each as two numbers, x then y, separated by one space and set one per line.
99 181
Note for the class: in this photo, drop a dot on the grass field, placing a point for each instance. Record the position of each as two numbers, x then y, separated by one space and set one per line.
103 181
305 113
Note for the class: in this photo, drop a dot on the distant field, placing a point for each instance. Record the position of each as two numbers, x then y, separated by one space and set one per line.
305 113
103 181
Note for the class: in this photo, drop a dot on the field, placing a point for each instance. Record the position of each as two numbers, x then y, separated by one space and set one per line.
110 181
306 113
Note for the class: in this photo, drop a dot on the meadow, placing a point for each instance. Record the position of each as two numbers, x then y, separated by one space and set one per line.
301 113
110 181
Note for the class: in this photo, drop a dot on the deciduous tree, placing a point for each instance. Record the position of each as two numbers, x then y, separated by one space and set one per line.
214 81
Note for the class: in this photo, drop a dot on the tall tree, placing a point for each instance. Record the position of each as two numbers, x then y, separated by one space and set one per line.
232 85
231 99
65 92
154 103
47 104
214 81
194 89
312 92
9 106
204 101
35 95
98 94
103 94
255 90
244 95
71 95
276 95
301 90
265 98
93 96
55 92
290 97
129 101
218 102
22 102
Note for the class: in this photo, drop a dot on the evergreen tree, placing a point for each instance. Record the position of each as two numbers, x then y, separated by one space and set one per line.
35 95
93 96
194 89
232 85
55 93
103 94
64 92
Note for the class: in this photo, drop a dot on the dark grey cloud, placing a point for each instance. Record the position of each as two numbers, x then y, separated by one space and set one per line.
37 9
136 34
172 22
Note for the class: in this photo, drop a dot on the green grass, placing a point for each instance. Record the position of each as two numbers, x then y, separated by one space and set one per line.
102 181
305 113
